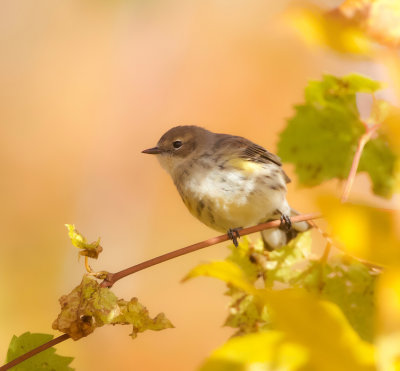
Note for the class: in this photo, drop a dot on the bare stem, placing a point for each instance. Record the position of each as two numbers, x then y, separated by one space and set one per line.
370 130
35 351
114 277
325 255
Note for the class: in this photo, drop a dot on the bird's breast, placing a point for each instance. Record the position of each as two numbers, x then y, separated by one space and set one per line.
227 195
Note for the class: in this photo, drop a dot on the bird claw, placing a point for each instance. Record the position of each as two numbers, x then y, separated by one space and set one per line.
233 234
286 223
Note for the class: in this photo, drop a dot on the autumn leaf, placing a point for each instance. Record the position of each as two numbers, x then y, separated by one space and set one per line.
349 284
287 263
320 28
388 324
321 328
264 351
226 271
379 18
246 313
89 306
91 250
307 334
135 314
364 231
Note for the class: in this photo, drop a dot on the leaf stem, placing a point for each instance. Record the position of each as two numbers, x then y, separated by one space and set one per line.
114 277
87 266
370 130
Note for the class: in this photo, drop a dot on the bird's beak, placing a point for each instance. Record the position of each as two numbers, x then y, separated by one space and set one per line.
152 151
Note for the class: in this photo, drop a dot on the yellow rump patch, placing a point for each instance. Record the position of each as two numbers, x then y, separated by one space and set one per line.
245 165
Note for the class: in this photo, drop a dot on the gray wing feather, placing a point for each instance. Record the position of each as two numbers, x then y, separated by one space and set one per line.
248 150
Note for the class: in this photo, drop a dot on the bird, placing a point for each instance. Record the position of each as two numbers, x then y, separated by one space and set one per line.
228 182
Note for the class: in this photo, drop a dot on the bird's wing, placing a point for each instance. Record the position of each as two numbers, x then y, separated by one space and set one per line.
243 148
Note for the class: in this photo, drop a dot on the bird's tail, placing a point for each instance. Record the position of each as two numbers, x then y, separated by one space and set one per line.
275 238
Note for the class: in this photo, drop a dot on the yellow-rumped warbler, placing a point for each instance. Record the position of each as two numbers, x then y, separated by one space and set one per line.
228 182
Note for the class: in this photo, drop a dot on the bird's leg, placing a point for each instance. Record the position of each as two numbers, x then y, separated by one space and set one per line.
233 234
286 223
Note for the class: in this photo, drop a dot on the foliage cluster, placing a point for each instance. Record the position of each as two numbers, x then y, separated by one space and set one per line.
292 309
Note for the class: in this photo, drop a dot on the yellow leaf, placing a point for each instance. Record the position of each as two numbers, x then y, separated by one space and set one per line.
388 326
391 62
351 27
226 271
264 351
321 328
380 18
91 250
317 27
363 231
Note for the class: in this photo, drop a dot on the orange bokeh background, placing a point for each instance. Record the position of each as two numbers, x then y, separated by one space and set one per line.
85 85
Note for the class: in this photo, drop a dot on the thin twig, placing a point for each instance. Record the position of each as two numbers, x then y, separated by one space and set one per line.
35 351
114 277
370 130
330 243
324 258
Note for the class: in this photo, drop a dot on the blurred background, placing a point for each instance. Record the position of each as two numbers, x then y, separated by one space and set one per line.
85 86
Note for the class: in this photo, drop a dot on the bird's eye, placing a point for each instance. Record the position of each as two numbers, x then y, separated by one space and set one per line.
177 144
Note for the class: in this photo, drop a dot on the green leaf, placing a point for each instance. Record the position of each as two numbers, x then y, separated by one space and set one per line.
134 313
265 351
92 250
322 137
47 360
380 111
379 162
246 313
240 271
349 284
243 255
284 264
89 306
333 90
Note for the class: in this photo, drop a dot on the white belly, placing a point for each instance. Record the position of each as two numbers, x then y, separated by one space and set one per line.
233 198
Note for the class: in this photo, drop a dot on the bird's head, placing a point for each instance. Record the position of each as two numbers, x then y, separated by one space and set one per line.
178 145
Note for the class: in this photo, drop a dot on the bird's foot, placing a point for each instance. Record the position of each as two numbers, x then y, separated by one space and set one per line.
286 223
233 234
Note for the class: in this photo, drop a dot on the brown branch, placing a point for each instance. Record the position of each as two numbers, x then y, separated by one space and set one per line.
370 130
114 277
34 351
